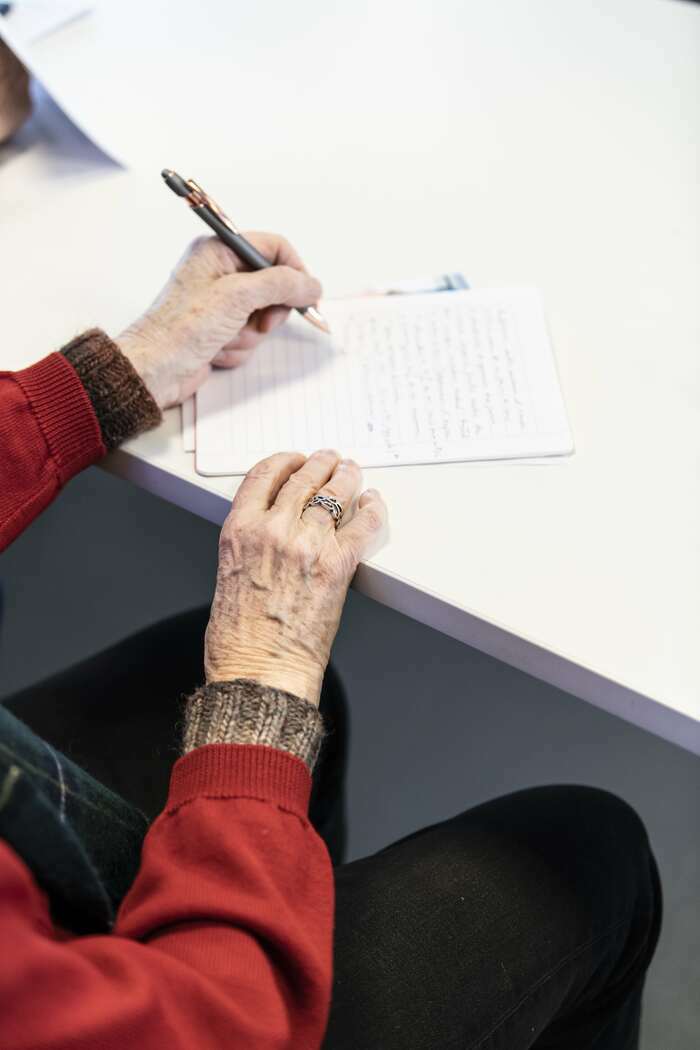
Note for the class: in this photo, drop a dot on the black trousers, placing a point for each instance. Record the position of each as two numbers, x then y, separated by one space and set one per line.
528 921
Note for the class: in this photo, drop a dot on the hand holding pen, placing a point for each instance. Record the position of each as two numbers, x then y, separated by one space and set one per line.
214 312
210 213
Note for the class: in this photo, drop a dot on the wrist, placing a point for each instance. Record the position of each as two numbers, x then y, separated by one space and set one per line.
298 679
144 360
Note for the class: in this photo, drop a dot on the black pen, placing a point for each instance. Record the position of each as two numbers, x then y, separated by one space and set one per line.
210 212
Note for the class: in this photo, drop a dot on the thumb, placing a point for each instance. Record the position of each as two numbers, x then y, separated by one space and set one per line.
276 286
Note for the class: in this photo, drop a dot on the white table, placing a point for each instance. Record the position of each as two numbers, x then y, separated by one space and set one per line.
552 144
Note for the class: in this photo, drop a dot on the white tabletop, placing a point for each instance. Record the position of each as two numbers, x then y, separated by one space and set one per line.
552 144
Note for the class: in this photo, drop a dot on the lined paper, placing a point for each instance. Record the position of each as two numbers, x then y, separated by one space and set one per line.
417 379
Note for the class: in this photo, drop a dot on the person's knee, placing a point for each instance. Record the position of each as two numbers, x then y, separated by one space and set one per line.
609 852
623 878
581 840
607 806
608 815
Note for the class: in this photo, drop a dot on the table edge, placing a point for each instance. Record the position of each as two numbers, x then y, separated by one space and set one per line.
399 594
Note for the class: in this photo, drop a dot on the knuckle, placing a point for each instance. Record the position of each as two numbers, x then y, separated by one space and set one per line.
263 470
208 255
199 245
260 238
259 473
219 254
300 478
282 246
268 469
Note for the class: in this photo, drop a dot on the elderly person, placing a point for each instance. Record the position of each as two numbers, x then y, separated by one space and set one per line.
528 921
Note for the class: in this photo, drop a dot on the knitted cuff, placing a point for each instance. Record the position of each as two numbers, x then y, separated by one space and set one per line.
245 712
122 403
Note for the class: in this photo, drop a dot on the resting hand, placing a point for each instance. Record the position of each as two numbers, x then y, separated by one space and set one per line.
284 572
212 313
15 103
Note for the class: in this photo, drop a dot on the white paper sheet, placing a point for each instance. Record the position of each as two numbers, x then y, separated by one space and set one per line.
421 379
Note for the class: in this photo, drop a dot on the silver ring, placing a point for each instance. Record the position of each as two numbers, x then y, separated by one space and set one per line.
328 503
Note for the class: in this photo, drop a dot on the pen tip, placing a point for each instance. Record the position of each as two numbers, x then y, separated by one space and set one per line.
316 318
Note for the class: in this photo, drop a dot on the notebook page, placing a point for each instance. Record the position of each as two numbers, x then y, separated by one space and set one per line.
414 379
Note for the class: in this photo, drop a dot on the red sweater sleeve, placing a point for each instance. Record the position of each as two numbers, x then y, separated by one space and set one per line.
223 941
48 432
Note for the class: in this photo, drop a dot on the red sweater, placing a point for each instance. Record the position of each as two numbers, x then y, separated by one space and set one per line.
225 937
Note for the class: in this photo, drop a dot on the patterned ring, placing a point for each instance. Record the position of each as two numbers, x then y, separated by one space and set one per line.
328 503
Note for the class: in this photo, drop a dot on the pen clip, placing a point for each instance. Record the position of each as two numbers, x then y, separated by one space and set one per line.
198 198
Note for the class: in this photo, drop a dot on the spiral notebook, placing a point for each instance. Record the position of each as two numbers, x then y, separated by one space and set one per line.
417 379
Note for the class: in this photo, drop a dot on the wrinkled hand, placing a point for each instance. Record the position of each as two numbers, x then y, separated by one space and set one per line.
15 103
210 312
284 572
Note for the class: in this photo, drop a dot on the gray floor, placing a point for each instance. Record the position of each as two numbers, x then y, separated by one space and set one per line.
437 726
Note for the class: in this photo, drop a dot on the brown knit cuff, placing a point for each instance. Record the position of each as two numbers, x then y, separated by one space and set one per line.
122 403
245 712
